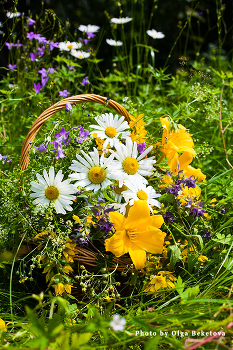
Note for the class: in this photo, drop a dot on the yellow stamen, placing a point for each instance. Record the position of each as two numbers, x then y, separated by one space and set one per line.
130 165
110 131
69 47
142 195
52 193
97 174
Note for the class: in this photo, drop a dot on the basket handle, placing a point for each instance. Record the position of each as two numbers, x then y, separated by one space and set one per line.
24 159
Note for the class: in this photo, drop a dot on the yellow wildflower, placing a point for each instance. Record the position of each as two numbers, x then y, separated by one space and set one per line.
207 216
202 258
2 325
213 201
59 288
164 279
76 218
67 270
137 234
138 126
23 279
69 252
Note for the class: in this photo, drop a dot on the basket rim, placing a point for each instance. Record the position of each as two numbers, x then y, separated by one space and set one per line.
49 112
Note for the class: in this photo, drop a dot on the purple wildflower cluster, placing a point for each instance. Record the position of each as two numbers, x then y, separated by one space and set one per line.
207 235
181 181
44 78
168 217
85 81
197 209
59 140
101 212
4 159
83 135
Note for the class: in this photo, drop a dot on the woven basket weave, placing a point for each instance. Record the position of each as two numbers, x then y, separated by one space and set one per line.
87 257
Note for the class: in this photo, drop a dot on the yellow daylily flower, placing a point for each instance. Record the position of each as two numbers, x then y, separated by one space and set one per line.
137 234
2 325
175 141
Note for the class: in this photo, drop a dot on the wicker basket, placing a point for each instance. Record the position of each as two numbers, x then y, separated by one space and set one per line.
85 256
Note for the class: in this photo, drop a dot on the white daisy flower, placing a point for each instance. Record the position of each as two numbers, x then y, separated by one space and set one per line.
114 42
118 323
154 34
52 189
89 28
129 165
68 46
80 54
13 14
110 128
92 171
120 20
139 191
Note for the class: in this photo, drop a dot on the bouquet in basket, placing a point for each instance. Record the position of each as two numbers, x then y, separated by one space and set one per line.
109 198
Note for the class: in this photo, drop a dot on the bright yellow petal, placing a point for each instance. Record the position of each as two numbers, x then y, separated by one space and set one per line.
151 240
118 244
139 215
157 221
185 159
189 171
138 257
117 219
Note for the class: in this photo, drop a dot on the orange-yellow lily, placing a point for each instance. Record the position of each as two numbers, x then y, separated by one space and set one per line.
175 141
137 234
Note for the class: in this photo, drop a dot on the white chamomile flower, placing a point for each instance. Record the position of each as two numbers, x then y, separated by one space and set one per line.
110 128
89 28
129 165
13 14
114 42
52 189
139 191
120 20
68 46
80 54
92 171
118 323
154 34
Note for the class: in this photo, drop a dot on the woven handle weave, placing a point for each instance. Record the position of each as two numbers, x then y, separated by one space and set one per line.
24 159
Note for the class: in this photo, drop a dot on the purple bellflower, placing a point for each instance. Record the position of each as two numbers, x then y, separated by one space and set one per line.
37 87
64 93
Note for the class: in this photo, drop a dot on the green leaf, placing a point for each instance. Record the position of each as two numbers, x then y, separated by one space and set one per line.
151 344
65 60
174 253
179 284
78 340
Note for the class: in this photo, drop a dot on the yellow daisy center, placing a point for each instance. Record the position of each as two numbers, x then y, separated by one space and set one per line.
69 46
97 174
142 195
80 56
110 131
52 193
130 165
118 189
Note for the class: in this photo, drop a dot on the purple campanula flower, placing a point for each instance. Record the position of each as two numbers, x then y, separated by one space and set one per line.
86 41
33 56
30 35
18 45
62 137
64 93
200 14
85 81
105 225
12 67
141 147
69 108
31 21
175 189
43 72
90 35
60 153
37 87
52 45
51 70
44 80
222 211
41 148
9 45
169 173
4 159
83 135
70 67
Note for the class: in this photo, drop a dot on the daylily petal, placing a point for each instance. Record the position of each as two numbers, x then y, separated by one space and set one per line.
118 244
138 257
118 220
